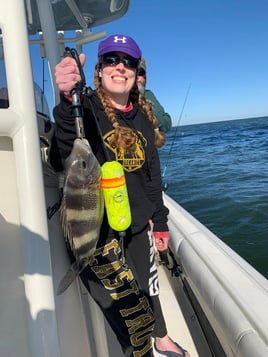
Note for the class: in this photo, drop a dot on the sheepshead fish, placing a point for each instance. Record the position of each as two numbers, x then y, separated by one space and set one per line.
82 207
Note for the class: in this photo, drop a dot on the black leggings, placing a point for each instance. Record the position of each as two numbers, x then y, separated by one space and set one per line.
117 278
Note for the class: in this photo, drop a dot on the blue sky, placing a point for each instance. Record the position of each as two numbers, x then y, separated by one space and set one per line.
220 47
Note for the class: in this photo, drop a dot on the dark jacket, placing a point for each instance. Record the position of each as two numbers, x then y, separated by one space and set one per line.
163 118
141 166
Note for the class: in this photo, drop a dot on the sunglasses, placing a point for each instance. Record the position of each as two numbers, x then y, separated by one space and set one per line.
113 60
141 72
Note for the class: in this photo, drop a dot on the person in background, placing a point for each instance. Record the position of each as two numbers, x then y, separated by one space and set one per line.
163 118
127 128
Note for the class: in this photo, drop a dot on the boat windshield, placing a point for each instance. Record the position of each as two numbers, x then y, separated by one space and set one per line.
4 103
40 100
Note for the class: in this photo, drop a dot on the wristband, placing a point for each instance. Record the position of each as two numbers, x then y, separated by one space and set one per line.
162 235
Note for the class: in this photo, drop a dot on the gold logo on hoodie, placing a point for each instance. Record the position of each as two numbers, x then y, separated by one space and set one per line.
128 146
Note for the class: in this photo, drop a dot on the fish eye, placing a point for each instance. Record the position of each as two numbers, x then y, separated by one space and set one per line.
84 164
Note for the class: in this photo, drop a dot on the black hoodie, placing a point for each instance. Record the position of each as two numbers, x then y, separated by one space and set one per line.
141 166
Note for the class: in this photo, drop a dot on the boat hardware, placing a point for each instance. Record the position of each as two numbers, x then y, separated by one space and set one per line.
167 259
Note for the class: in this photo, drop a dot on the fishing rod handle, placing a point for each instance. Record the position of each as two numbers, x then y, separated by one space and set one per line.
77 108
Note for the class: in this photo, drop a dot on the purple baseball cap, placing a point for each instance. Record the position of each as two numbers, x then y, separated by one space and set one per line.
119 43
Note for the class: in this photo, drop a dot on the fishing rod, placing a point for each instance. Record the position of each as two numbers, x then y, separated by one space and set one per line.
175 134
80 88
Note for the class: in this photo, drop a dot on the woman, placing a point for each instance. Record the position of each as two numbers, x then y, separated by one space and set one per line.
126 123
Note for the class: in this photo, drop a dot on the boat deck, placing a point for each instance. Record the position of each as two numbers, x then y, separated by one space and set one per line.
182 323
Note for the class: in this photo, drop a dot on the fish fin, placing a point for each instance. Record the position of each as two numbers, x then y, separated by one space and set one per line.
63 218
75 269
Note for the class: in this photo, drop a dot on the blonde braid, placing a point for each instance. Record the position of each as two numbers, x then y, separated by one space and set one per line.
160 137
111 115
120 135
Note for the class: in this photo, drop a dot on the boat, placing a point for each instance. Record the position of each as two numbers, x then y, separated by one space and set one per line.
214 302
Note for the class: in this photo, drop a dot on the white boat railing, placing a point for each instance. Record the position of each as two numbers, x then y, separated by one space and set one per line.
18 122
33 321
232 294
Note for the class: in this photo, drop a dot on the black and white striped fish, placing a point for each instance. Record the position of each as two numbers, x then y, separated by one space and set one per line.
81 208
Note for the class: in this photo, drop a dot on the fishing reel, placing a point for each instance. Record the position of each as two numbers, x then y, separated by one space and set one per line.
167 258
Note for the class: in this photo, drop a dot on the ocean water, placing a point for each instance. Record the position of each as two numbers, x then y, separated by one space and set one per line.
219 173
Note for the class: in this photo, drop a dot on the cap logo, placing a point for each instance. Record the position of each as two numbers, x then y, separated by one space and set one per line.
118 39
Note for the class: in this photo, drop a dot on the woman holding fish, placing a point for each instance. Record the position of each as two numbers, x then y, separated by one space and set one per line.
120 273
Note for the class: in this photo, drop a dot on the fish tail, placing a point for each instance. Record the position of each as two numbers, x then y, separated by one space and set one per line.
75 269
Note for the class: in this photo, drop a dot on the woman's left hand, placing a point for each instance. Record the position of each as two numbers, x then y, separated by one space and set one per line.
161 240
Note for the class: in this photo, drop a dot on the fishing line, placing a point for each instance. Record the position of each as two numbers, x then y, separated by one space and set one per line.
175 135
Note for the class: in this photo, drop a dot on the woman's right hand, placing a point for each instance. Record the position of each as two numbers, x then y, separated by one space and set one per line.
67 74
